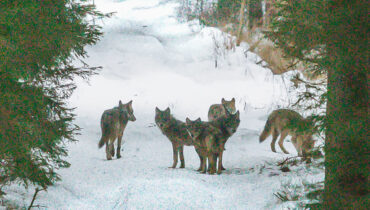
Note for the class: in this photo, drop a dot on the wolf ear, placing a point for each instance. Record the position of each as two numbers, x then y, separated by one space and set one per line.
188 121
223 100
237 114
157 110
198 120
168 110
233 100
120 103
129 103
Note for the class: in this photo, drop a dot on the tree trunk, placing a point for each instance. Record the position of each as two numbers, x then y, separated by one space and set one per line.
346 146
241 23
255 13
269 11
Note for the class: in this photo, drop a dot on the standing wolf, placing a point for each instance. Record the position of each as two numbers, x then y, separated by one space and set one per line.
176 132
285 122
207 143
210 139
218 110
113 122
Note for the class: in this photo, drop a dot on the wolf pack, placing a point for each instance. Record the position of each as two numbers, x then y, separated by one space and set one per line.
208 137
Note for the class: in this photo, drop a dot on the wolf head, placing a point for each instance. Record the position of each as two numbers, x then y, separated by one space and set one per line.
305 130
162 118
126 110
194 128
231 122
229 105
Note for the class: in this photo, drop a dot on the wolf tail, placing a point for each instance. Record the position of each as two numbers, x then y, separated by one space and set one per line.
104 131
266 131
101 142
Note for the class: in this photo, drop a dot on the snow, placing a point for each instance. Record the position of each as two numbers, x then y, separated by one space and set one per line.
148 56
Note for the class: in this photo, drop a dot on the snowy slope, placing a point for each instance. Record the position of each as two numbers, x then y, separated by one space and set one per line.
149 57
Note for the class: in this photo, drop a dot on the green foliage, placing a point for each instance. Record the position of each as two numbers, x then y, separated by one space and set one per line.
38 41
304 194
331 37
297 27
228 9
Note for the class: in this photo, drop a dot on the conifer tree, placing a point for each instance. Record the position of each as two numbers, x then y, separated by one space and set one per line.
38 42
331 37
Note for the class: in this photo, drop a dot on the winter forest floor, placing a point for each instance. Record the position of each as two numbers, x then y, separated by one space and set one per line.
152 58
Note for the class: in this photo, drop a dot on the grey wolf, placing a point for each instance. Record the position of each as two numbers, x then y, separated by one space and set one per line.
218 110
113 122
286 122
211 137
176 132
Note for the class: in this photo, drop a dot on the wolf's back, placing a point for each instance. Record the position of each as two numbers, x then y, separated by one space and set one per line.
215 111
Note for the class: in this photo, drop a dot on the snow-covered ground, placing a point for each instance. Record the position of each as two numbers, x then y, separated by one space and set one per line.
148 56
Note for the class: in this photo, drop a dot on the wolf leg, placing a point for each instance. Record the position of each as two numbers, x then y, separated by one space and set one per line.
108 153
222 149
299 147
203 167
211 160
181 148
112 147
281 141
275 135
119 146
220 167
296 144
175 155
200 158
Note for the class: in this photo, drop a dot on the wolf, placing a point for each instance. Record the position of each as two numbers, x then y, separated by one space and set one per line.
207 143
211 137
176 132
113 122
285 122
228 124
218 110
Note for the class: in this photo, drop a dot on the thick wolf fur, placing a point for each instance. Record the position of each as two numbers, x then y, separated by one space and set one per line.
176 132
207 143
210 138
113 122
218 110
285 122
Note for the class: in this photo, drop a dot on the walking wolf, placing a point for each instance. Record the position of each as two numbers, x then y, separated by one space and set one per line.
218 110
176 132
113 123
285 122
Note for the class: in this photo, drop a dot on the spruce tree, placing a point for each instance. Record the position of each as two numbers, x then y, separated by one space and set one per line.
38 42
331 37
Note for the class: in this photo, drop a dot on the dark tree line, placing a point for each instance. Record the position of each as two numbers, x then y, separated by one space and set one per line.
38 42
